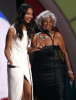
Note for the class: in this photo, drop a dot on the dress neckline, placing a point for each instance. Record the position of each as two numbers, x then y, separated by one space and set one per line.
24 30
51 46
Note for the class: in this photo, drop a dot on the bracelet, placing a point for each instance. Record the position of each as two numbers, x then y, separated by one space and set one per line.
70 72
8 61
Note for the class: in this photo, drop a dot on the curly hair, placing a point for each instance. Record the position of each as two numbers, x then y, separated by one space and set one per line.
19 22
43 15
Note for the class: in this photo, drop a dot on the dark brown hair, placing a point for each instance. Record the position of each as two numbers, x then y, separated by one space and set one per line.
19 22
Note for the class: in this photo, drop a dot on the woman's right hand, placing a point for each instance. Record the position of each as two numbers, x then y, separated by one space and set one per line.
9 62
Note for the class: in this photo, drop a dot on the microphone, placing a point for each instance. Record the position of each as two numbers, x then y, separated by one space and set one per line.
47 32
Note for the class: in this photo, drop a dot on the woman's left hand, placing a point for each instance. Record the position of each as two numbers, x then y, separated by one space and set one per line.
71 76
40 45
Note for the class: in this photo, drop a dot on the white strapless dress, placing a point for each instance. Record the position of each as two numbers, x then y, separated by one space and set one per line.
20 59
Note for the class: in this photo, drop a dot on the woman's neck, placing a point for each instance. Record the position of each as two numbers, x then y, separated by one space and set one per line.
24 27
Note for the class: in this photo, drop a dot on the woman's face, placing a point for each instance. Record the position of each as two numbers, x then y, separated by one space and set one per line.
47 23
29 15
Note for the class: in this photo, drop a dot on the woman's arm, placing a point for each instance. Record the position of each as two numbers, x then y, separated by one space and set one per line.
34 46
9 38
63 49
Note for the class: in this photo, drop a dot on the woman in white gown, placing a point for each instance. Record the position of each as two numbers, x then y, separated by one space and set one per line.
16 51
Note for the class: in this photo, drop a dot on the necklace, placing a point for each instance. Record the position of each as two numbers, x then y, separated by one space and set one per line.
43 38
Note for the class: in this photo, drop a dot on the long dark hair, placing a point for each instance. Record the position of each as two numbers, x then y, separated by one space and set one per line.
19 22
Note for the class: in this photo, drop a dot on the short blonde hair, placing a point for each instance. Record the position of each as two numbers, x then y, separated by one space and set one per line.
44 15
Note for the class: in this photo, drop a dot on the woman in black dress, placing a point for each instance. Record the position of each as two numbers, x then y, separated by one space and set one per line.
48 65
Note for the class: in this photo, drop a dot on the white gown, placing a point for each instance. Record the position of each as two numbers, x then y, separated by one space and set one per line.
20 59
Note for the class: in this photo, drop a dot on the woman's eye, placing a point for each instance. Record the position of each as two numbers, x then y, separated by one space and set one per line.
45 21
27 13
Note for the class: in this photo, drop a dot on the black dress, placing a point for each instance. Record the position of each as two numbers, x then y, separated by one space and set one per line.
48 71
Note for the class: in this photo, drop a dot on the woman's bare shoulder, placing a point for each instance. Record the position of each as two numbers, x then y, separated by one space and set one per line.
11 30
36 35
58 35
